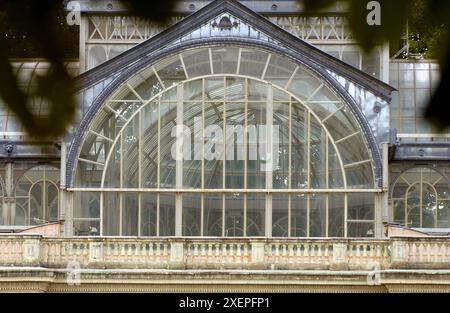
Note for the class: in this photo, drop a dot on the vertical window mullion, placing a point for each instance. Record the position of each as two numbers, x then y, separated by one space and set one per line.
44 197
179 163
101 214
139 167
202 171
327 204
421 199
238 68
308 162
245 153
158 182
290 168
346 215
121 184
415 100
223 156
269 159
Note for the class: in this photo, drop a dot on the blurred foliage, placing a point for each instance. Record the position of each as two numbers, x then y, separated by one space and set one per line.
426 36
31 28
36 23
20 41
428 23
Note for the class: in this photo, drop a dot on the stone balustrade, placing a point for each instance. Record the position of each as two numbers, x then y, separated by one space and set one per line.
225 253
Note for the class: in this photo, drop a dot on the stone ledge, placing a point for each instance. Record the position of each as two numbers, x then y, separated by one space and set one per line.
94 280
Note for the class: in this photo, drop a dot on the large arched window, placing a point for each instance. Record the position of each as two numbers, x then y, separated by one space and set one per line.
421 199
266 148
37 196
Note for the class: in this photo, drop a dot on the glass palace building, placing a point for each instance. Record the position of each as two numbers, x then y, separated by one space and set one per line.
244 133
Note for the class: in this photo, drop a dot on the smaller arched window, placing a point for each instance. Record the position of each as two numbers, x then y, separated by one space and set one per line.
421 199
37 196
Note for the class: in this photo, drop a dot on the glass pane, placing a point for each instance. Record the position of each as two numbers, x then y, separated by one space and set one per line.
166 214
191 215
399 212
111 212
257 147
168 113
280 70
413 206
281 119
280 215
234 215
149 167
341 124
299 215
252 62
443 214
360 176
86 228
225 60
335 179
361 206
353 150
131 165
170 70
213 215
235 150
361 230
197 62
428 206
256 208
22 212
112 175
336 215
318 222
130 214
192 145
318 157
149 213
36 205
52 202
303 84
214 144
299 147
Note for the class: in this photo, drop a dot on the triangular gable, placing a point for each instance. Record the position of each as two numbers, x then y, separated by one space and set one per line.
229 18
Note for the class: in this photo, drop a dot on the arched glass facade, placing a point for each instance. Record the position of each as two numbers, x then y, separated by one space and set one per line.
421 199
37 196
225 141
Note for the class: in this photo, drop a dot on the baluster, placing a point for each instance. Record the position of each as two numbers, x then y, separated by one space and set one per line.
319 251
11 251
217 252
246 254
411 252
165 252
210 252
224 253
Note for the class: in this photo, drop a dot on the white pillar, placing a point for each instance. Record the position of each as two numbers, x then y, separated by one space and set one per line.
84 35
67 229
385 152
9 213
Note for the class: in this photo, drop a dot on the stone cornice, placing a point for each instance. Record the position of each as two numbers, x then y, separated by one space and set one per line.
131 280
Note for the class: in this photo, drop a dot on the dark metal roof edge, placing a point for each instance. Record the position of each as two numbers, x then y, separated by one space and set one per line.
315 53
196 19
